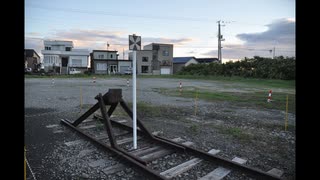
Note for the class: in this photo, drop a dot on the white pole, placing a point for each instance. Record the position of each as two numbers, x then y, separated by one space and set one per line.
134 92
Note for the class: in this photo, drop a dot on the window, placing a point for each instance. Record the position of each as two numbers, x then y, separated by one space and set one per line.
68 48
101 56
165 53
101 66
111 56
47 48
145 59
144 69
76 62
113 68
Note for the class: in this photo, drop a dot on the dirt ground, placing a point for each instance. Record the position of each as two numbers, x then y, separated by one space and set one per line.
253 133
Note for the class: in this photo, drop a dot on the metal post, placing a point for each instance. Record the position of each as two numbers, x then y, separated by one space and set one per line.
274 52
80 98
25 167
286 120
134 99
219 42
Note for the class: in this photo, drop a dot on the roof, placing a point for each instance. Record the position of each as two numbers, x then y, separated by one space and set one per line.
160 44
206 60
103 51
183 60
58 42
29 52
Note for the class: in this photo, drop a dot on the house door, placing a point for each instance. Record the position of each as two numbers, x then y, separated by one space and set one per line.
64 62
113 68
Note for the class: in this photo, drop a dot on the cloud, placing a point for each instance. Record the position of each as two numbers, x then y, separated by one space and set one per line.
89 35
95 39
280 32
180 41
280 35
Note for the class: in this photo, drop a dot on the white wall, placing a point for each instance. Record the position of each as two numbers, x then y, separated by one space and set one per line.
49 60
84 61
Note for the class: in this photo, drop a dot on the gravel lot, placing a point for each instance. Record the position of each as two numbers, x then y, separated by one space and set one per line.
262 139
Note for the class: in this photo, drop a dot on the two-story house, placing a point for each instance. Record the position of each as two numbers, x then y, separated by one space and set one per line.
107 62
154 59
60 57
31 59
103 61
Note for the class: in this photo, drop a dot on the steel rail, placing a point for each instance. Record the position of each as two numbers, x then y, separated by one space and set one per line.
122 154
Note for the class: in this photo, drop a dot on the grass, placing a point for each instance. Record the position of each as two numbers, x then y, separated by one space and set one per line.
143 110
269 83
193 129
235 132
255 99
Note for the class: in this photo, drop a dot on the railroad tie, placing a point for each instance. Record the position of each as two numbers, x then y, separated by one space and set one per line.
157 152
88 127
275 172
100 163
221 172
113 169
181 168
52 125
126 140
72 143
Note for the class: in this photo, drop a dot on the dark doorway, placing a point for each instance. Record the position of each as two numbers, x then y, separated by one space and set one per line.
64 62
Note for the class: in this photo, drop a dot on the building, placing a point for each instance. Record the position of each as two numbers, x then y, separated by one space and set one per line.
104 61
144 62
207 60
107 62
179 62
155 59
31 59
60 57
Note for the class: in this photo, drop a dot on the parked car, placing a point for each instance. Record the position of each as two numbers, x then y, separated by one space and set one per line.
74 71
128 72
27 70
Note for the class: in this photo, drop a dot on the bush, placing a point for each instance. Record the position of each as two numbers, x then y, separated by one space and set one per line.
256 67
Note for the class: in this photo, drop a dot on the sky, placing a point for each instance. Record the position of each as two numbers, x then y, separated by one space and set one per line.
249 27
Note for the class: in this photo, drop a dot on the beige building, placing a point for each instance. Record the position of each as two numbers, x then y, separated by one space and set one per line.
162 57
144 61
155 59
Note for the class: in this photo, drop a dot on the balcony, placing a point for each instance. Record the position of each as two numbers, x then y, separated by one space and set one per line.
68 53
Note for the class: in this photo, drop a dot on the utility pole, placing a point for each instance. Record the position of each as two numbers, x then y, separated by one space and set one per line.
274 52
220 38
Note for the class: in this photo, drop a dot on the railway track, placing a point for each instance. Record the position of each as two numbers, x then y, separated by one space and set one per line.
156 157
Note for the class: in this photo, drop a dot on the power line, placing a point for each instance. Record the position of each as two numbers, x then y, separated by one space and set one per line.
180 46
119 14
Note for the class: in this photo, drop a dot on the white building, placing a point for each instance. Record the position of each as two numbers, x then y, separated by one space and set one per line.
60 57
